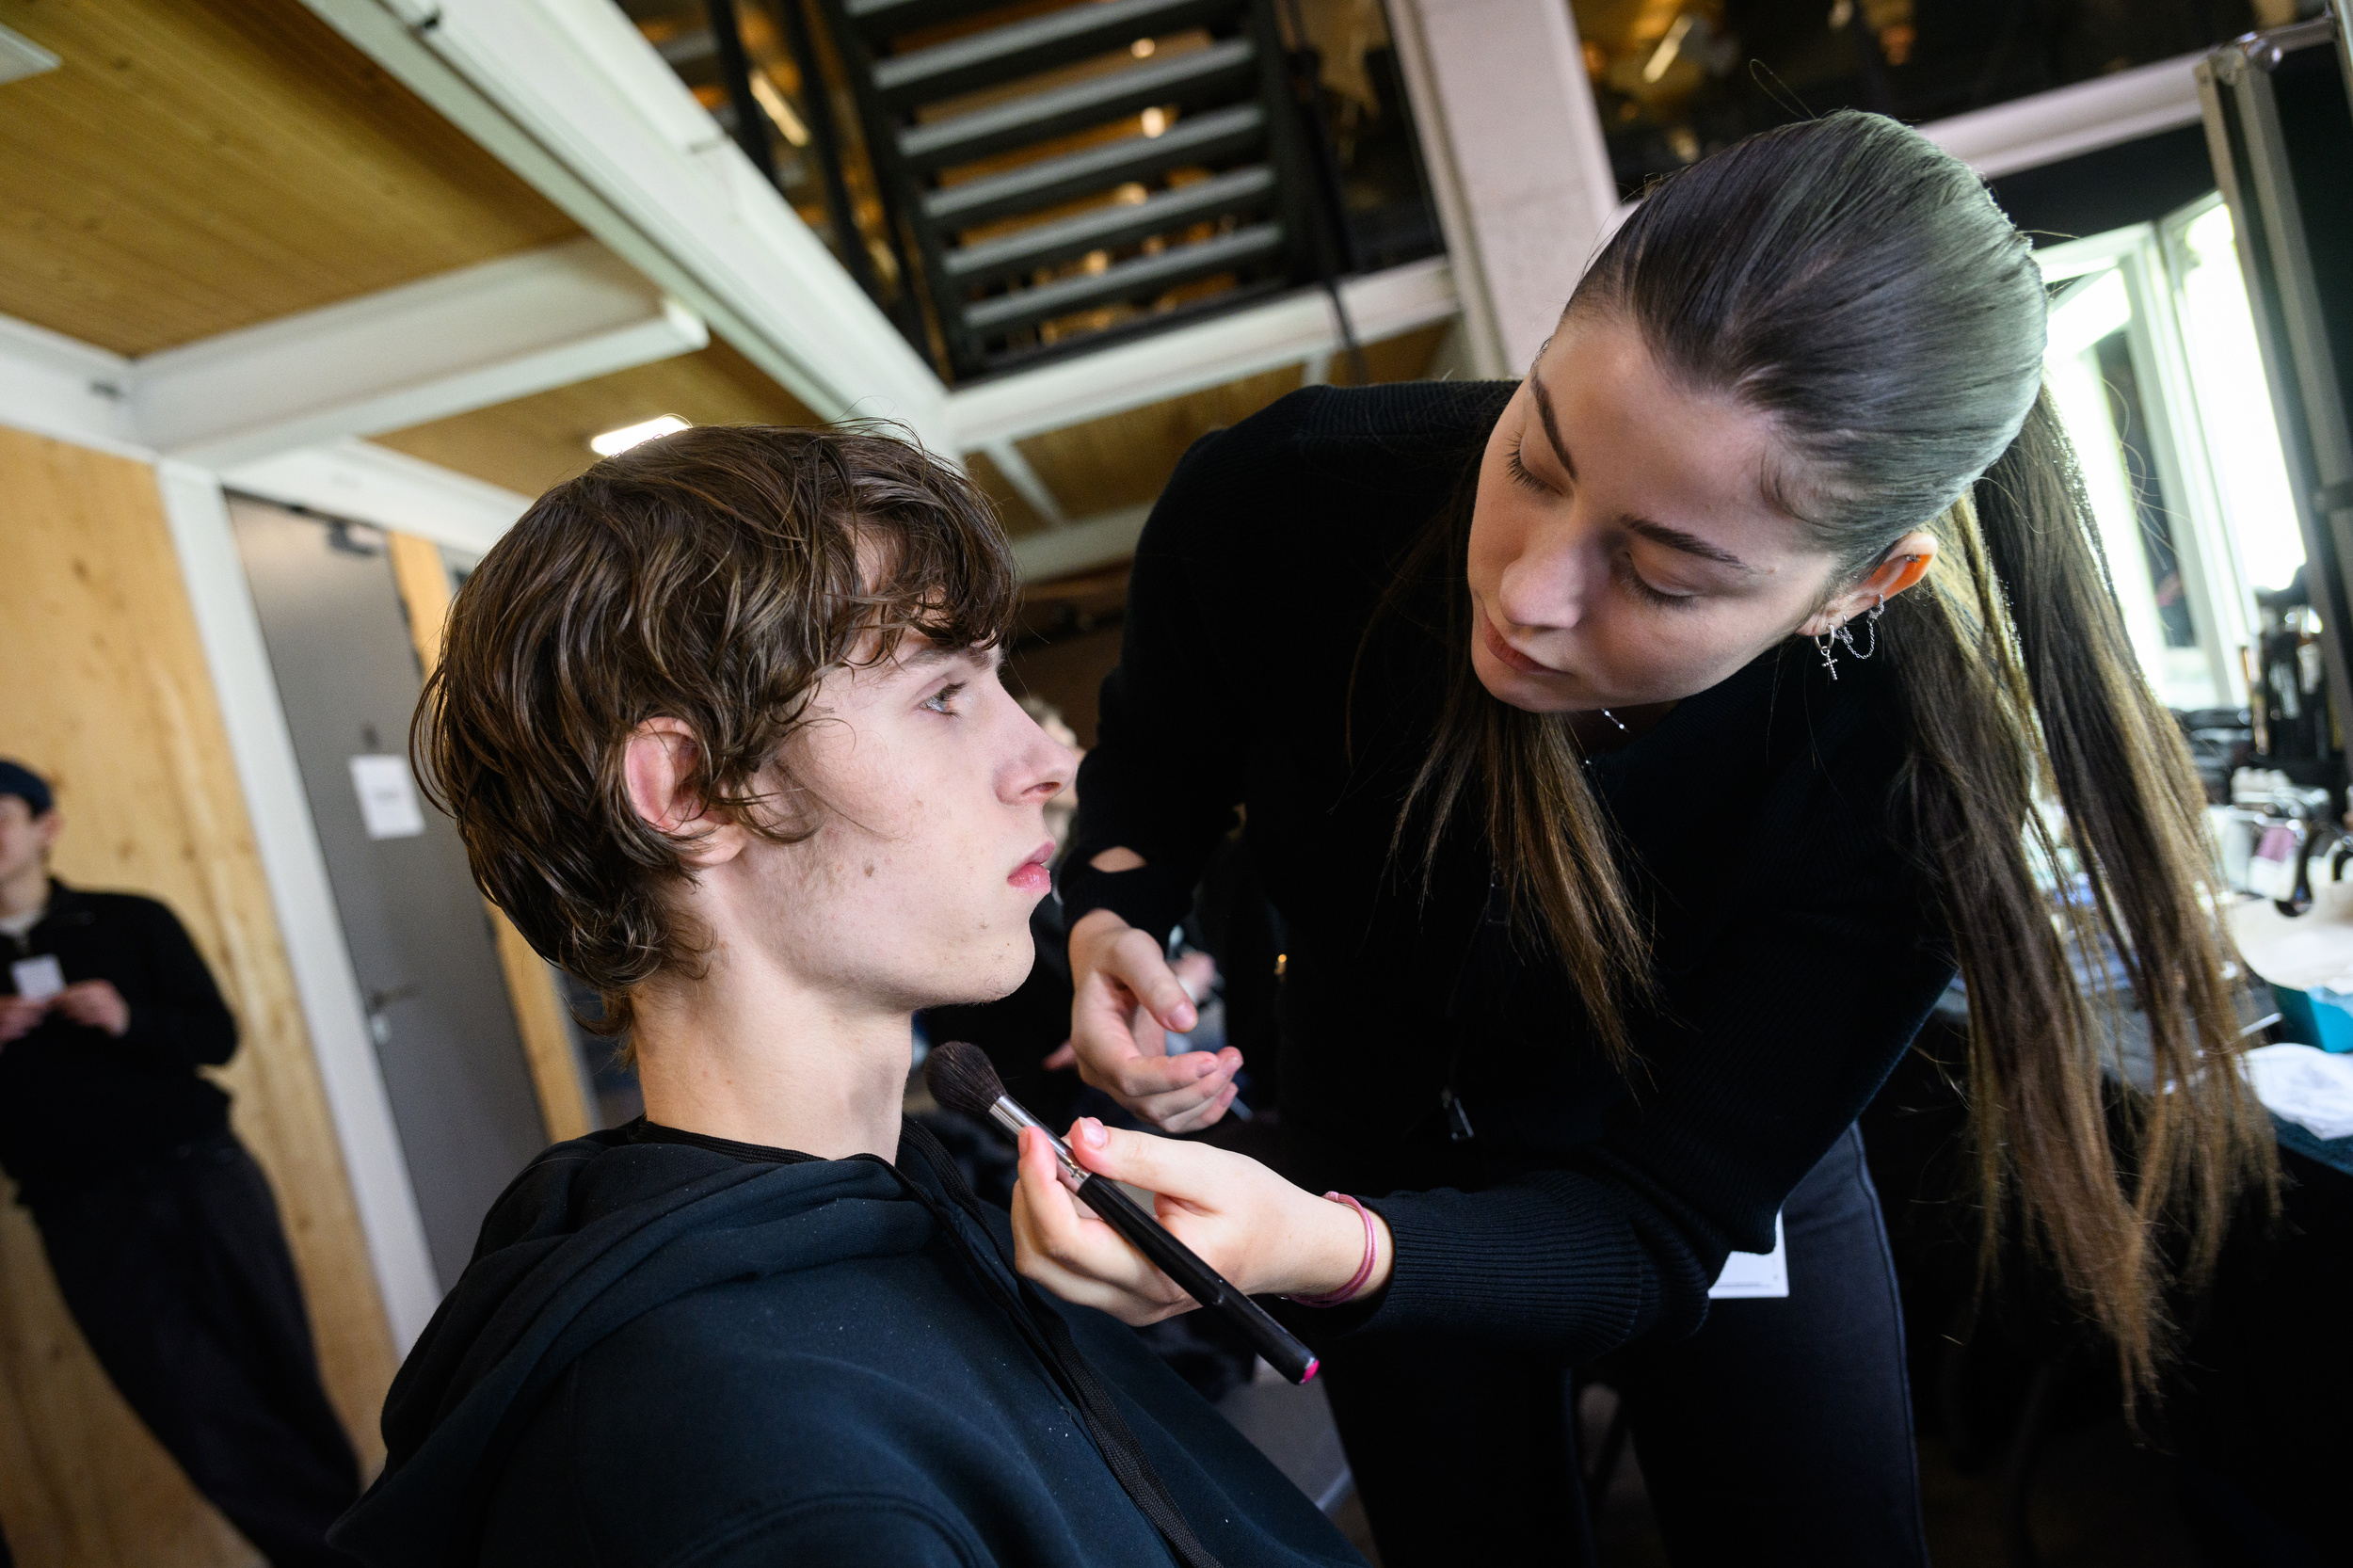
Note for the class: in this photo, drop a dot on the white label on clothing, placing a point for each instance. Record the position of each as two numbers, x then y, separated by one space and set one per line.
1755 1273
388 798
38 979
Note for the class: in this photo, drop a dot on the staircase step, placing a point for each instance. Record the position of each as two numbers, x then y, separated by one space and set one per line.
1196 138
1244 190
1179 264
1175 79
1033 44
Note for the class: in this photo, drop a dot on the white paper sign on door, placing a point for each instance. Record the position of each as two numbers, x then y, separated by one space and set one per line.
1755 1273
387 796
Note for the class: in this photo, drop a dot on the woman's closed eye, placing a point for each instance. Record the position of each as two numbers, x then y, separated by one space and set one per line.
1522 477
1641 588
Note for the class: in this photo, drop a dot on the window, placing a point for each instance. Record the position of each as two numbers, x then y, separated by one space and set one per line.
2153 366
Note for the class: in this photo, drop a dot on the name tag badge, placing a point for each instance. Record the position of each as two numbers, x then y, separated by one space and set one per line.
38 979
1755 1273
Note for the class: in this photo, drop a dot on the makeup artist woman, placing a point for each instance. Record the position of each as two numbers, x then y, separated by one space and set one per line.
1633 754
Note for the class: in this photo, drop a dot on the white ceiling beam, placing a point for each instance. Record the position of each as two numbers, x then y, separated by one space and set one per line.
1097 541
1295 330
366 483
569 95
58 386
422 351
2067 122
1025 480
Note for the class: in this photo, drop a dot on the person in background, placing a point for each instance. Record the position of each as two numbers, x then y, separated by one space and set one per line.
161 1230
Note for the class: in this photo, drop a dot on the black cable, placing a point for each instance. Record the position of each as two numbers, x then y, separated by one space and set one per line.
1334 250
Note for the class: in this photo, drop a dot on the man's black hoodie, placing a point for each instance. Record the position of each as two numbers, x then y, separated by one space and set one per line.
689 1353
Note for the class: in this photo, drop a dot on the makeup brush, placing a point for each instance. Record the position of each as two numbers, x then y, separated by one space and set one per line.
962 1078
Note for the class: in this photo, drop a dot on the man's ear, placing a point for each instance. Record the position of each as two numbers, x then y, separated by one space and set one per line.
51 823
1906 562
663 764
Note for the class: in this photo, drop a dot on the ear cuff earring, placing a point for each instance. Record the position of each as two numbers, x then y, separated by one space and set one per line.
1826 643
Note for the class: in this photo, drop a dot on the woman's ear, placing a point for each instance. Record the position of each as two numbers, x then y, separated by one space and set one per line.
1906 562
663 766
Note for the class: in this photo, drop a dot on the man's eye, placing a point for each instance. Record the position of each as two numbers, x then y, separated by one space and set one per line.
944 699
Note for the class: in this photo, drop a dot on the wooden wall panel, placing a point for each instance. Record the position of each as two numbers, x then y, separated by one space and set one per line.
197 165
541 1018
108 693
536 443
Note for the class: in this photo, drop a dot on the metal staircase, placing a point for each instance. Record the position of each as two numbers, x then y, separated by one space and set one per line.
1010 181
1082 170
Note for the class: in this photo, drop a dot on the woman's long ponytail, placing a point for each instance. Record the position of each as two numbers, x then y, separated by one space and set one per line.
2020 683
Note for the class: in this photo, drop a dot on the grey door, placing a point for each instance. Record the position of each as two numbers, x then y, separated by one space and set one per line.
420 938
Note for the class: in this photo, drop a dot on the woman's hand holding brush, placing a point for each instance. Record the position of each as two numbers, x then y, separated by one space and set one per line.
1263 1234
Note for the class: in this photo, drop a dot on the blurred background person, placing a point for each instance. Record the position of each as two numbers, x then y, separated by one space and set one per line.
161 1230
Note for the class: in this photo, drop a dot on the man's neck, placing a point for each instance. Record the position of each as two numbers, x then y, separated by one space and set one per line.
24 892
761 1058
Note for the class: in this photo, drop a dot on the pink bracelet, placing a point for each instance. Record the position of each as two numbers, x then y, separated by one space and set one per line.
1364 1269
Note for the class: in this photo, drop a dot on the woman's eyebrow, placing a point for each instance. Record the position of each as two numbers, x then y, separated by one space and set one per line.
1675 538
1552 431
1658 532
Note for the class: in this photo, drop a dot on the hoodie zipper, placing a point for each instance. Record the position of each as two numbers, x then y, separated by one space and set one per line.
1049 1340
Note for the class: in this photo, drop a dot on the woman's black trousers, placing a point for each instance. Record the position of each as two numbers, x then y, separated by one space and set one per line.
1779 1433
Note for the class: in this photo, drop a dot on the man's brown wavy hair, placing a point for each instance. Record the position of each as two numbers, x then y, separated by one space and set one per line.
714 576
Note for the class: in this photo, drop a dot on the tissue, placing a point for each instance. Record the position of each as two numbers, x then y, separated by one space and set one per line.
2310 1088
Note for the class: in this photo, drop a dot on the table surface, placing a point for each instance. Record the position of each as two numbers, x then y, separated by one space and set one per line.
2300 951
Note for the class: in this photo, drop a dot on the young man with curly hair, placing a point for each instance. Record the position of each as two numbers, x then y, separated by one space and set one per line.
721 724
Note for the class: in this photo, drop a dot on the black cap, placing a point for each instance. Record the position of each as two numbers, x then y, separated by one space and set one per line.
22 782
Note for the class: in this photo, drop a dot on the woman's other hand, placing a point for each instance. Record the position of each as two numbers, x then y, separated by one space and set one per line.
1262 1233
1125 1001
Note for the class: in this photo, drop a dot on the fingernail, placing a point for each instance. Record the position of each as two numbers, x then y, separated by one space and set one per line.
1204 1068
1091 1130
1184 1017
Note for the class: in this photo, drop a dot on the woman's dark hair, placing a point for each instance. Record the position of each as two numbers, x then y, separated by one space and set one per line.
1858 286
714 577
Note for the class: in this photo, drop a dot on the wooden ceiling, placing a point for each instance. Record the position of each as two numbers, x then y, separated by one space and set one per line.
542 440
199 166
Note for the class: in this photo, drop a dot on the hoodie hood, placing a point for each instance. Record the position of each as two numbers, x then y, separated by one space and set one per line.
595 1233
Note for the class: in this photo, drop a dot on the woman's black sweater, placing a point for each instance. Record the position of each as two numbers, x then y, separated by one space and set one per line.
1797 950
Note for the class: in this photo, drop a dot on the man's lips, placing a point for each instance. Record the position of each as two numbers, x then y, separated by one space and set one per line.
1032 877
1505 653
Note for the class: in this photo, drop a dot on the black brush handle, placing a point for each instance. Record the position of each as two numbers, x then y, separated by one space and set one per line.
1280 1347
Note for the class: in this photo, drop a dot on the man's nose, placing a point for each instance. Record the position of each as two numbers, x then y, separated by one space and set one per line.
1045 768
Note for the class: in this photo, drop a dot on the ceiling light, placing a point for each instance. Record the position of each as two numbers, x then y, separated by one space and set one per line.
629 435
779 109
1668 47
1142 49
1155 121
20 56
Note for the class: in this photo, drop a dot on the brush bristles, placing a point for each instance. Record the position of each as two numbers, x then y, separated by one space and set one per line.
962 1078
